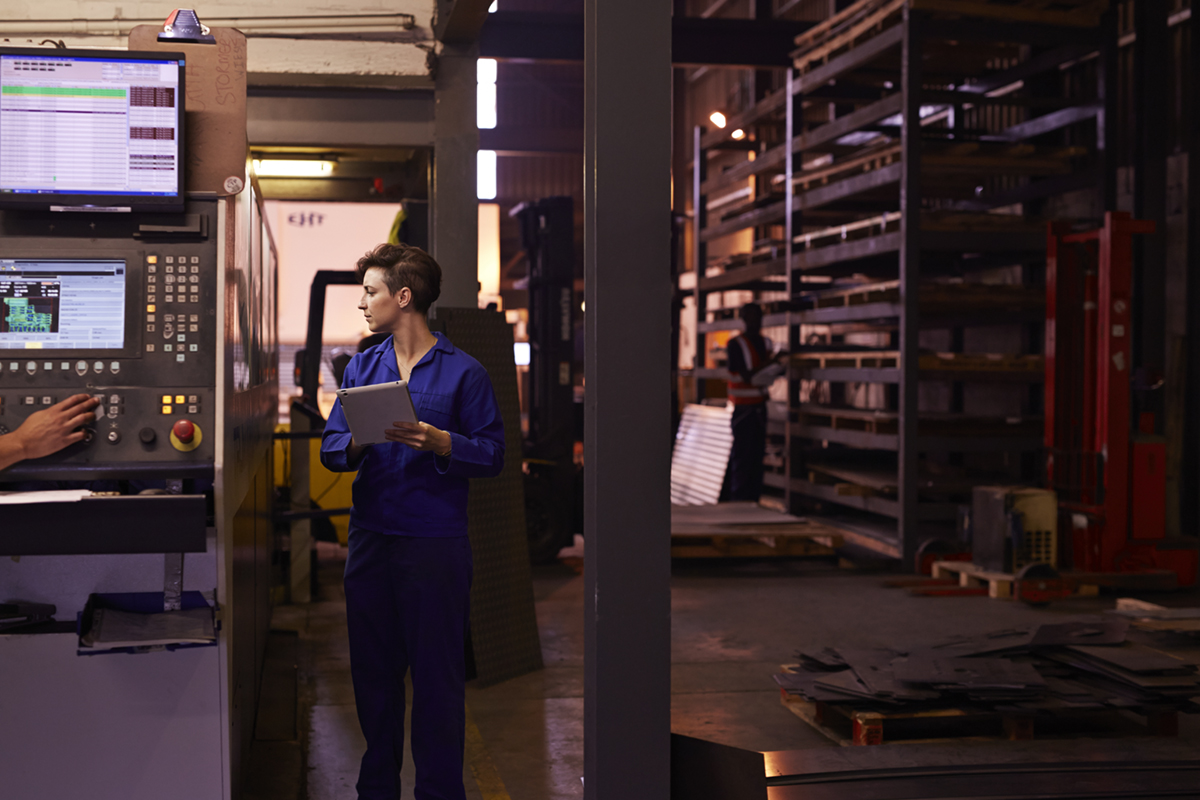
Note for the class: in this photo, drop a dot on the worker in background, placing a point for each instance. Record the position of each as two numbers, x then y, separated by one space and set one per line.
49 430
752 369
409 569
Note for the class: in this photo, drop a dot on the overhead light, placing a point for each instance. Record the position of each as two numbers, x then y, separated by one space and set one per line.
492 8
738 134
485 175
292 168
717 118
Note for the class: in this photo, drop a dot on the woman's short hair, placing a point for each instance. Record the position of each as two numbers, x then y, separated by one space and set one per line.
404 265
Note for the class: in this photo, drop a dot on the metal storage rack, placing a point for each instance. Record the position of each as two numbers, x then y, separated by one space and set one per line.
907 155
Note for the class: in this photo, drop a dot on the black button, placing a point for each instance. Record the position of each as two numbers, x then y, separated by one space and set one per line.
147 435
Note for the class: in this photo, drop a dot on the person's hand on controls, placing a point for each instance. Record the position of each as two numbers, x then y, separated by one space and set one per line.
420 436
51 429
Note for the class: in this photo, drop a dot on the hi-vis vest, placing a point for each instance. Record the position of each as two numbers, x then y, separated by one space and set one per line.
741 393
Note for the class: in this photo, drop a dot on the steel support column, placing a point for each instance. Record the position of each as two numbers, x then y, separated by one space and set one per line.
627 201
910 258
453 206
1151 66
1189 481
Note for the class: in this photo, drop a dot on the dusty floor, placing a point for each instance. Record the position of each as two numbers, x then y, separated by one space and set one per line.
733 625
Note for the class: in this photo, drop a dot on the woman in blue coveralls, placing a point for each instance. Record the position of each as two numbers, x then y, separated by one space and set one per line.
408 573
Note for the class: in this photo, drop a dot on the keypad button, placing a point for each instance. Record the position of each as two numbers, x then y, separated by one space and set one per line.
151 259
194 318
166 398
195 298
169 298
81 367
47 400
168 348
166 409
98 366
152 298
195 259
193 328
29 400
112 412
170 259
179 399
168 317
149 348
170 270
31 367
152 279
114 367
192 348
193 409
181 337
48 366
113 399
192 398
180 357
65 366
152 270
13 366
150 308
149 318
149 329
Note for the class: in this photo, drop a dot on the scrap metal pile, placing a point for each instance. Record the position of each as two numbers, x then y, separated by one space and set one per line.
1098 664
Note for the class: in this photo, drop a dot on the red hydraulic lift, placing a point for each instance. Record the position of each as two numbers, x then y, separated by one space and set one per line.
1109 477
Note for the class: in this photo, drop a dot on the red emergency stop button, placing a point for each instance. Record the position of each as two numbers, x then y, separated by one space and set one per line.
185 435
184 431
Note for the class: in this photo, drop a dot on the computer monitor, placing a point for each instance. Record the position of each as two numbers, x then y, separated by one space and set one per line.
91 129
59 304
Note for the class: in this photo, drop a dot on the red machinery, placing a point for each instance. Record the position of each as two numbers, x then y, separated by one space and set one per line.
1110 480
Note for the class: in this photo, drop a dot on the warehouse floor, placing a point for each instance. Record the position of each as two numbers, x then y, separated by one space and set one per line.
733 625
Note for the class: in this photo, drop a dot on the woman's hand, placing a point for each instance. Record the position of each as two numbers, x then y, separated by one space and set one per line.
420 436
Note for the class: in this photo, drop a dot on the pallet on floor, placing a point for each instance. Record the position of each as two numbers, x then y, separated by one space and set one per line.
851 727
999 584
747 530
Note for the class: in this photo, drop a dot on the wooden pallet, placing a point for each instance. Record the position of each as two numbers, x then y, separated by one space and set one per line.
999 584
747 530
850 727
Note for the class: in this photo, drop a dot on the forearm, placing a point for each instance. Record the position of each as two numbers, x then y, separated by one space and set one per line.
11 450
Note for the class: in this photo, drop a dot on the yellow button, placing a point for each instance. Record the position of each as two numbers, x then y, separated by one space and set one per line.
150 308
151 259
166 399
166 409
179 399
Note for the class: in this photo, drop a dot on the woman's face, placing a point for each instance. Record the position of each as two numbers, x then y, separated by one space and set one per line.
380 307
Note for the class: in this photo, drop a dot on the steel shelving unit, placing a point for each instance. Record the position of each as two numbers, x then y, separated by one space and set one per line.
898 182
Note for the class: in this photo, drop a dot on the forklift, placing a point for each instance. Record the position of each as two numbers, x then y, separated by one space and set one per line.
553 483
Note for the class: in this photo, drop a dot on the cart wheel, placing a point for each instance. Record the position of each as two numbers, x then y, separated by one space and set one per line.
1038 583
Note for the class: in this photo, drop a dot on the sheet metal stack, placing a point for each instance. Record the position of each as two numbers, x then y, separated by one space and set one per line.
1092 664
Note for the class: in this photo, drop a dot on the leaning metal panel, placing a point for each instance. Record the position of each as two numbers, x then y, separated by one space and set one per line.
504 631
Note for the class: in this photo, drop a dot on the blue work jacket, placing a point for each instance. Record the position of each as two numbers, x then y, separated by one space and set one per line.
407 492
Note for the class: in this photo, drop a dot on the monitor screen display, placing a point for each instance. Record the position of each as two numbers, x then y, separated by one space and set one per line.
91 128
62 304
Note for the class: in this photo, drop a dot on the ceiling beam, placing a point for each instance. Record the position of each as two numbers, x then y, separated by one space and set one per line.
536 36
459 21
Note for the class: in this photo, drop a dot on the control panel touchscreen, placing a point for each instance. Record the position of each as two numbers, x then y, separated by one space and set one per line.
73 304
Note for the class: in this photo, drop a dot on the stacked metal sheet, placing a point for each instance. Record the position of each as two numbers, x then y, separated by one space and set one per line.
1100 663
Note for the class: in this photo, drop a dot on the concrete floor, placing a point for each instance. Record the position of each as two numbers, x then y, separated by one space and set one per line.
733 625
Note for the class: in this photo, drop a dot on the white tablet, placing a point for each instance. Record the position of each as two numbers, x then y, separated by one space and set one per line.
371 410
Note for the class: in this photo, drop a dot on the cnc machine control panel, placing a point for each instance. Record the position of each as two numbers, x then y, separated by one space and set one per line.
132 323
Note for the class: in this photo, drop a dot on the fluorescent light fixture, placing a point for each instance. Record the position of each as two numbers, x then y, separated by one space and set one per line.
492 8
717 118
486 70
485 175
738 134
292 168
521 353
485 106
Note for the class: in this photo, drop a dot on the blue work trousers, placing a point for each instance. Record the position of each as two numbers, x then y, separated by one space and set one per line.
407 604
